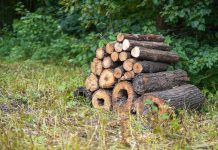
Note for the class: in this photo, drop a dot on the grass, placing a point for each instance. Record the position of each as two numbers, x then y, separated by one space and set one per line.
37 111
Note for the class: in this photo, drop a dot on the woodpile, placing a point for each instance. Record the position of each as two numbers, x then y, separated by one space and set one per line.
127 72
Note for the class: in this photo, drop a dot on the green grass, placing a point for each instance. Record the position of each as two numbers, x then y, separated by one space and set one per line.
39 112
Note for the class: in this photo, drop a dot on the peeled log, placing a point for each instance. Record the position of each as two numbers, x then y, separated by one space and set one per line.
107 79
137 37
110 47
128 64
115 56
118 72
102 99
149 67
124 56
185 96
82 91
118 47
100 53
128 45
154 55
123 96
149 82
91 82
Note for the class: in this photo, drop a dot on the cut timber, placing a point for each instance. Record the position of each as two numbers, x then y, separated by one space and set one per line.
149 67
124 56
128 64
108 63
154 55
96 66
129 75
102 99
91 82
122 96
110 47
118 47
118 72
150 82
185 96
107 79
130 44
137 37
82 91
100 53
115 56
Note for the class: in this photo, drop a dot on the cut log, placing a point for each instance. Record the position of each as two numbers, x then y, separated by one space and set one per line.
107 79
149 67
150 82
137 37
96 66
129 75
128 45
108 63
91 82
154 55
102 99
82 91
110 47
123 96
185 96
115 56
118 47
128 64
100 53
124 56
118 72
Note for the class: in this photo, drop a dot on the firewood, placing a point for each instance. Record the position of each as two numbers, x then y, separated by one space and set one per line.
128 45
115 56
137 37
124 56
154 55
102 99
118 72
101 53
185 96
108 63
118 47
107 79
110 47
128 64
129 75
123 96
91 82
149 67
96 66
149 82
82 91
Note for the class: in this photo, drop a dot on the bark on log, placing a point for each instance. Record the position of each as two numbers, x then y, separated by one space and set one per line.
149 67
91 82
118 47
118 72
124 56
128 64
129 75
115 56
110 47
128 45
154 55
96 66
185 96
102 99
107 79
150 82
101 53
123 96
108 63
82 91
137 37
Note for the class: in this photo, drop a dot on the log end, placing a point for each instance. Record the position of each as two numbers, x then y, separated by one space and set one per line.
114 56
91 82
118 73
126 44
120 37
137 68
107 79
102 99
118 47
110 47
135 52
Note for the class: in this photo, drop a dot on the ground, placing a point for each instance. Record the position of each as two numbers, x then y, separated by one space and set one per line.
38 111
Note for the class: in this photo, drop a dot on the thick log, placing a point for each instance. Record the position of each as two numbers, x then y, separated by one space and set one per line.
110 47
123 96
108 63
185 96
128 64
154 55
149 67
91 83
137 37
128 45
101 53
129 75
82 91
149 82
107 79
115 56
96 66
118 47
118 72
124 56
102 99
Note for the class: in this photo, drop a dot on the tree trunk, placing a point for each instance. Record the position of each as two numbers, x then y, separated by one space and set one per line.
146 37
150 82
128 45
101 53
82 91
124 56
91 82
115 56
154 55
108 63
118 47
185 96
129 75
123 96
110 47
128 64
102 99
118 72
107 79
149 67
96 66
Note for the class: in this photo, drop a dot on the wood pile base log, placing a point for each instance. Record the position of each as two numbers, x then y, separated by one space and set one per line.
82 91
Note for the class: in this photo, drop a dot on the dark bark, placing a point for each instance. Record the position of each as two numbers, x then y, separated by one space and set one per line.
137 37
82 91
149 67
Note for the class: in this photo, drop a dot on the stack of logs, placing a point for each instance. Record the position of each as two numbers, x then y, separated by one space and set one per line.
133 69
